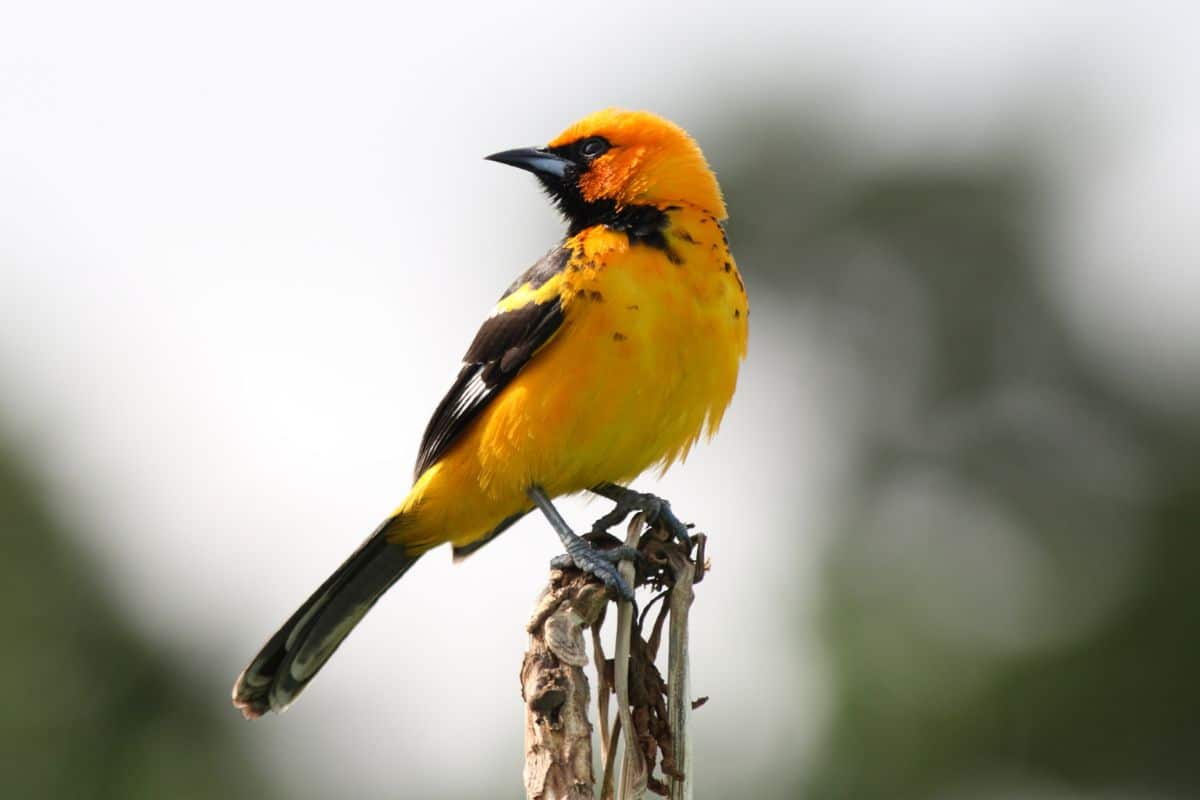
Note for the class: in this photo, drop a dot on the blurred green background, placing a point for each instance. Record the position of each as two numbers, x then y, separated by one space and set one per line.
993 591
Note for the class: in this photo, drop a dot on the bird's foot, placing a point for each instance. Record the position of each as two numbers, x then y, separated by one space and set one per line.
601 563
656 509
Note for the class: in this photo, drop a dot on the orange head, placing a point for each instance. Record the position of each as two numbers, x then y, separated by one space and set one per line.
616 160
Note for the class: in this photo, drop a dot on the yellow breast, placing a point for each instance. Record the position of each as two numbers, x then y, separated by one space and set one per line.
646 361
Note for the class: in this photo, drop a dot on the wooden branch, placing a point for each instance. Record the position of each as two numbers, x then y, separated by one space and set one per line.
558 737
679 701
602 691
633 766
652 713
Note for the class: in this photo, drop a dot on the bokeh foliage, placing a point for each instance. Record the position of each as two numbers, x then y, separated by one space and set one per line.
1011 605
91 709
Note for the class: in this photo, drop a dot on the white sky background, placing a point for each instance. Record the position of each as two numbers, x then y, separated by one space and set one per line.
242 248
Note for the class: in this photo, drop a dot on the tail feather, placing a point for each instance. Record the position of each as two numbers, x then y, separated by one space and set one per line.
298 650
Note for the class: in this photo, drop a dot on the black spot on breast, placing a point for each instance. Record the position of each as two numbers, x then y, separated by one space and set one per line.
618 336
684 236
595 296
737 312
727 266
633 307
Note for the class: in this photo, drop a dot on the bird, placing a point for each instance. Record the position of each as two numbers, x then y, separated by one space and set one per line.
614 353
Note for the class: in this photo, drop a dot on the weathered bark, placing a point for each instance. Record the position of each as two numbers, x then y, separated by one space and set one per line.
679 701
634 773
651 712
558 736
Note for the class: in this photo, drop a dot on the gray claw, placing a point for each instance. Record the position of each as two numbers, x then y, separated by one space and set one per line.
601 563
608 572
656 509
677 528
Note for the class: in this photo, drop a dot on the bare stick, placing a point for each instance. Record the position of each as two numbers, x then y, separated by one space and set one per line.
558 737
633 766
602 687
610 760
679 702
652 712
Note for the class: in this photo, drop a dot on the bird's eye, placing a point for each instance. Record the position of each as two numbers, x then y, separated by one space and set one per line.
593 146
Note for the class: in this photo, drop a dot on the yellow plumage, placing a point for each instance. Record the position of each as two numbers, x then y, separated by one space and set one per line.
646 359
613 354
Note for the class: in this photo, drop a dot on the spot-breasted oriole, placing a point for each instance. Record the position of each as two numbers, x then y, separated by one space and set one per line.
612 354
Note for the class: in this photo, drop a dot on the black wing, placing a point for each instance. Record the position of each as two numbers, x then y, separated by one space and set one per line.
504 344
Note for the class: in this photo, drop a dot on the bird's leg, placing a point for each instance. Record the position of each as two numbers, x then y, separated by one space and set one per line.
656 509
601 563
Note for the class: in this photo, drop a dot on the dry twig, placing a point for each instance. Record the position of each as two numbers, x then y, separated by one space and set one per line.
558 737
633 767
651 713
679 703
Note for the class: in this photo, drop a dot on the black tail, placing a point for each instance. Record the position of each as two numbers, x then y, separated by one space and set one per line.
298 650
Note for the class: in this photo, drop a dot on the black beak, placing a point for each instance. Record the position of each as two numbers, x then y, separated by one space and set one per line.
538 160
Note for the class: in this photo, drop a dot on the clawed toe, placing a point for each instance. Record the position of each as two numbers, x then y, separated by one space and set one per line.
678 529
593 562
601 563
656 509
